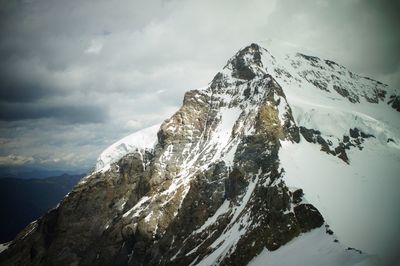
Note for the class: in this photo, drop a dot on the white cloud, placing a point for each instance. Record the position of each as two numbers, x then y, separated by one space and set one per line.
95 47
134 124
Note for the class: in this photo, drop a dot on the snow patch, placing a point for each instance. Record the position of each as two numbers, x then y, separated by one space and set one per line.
211 220
312 248
229 238
141 140
4 246
138 208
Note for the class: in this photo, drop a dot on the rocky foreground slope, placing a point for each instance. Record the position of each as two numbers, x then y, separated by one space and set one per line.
215 184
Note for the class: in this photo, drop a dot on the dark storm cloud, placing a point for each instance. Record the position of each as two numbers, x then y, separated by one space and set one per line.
66 114
20 87
17 91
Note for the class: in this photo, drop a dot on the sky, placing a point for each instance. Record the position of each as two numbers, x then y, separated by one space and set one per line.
75 76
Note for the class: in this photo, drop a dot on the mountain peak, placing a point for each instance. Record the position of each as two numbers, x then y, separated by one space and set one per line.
245 63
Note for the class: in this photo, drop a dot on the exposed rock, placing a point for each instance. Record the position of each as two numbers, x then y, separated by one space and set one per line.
297 196
268 123
235 184
357 139
309 134
341 152
394 101
241 68
354 133
308 217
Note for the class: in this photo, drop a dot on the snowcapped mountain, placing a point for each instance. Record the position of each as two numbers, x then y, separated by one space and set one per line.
281 160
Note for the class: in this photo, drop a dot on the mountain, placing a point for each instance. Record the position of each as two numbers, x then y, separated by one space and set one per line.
24 200
35 172
274 163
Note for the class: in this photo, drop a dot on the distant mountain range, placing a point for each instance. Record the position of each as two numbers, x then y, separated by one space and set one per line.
29 172
24 200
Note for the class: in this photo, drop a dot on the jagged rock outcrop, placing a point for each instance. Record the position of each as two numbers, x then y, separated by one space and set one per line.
212 189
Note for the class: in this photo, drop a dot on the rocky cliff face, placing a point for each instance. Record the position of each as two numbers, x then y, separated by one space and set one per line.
211 189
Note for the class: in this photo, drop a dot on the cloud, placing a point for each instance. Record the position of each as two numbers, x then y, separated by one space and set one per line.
13 160
66 113
25 81
95 47
134 124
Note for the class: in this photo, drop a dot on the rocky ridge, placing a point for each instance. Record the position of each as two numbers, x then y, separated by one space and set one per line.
210 190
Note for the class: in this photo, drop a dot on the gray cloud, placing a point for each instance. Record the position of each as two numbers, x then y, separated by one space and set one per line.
67 113
20 91
18 84
77 75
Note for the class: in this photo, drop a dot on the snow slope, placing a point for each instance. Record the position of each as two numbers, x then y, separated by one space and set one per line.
140 140
360 199
312 248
